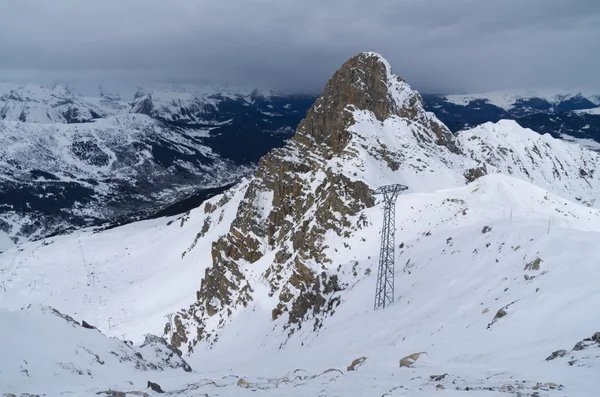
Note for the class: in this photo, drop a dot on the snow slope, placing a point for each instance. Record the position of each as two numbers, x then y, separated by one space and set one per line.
48 350
590 111
122 280
70 103
570 170
451 279
558 113
50 104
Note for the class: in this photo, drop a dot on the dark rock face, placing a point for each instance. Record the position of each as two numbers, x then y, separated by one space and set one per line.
285 212
363 82
475 173
556 354
171 356
84 324
360 82
588 342
155 387
576 357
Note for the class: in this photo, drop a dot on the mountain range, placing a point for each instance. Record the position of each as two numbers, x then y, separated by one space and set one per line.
70 160
112 155
267 288
567 114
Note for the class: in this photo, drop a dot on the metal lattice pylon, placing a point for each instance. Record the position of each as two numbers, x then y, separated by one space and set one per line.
384 294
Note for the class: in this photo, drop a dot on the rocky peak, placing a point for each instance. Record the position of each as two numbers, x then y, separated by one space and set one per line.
317 185
143 104
364 82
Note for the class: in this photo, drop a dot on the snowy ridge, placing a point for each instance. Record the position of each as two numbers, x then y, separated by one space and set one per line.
590 111
402 149
103 277
569 170
54 349
447 269
63 103
508 99
564 115
40 104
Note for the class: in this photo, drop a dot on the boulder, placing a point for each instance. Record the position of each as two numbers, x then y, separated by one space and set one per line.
85 324
155 387
556 354
409 360
356 363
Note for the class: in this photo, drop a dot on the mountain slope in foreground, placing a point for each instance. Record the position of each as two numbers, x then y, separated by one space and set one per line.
495 275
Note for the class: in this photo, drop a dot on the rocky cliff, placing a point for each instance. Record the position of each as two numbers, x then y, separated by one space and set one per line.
289 245
316 185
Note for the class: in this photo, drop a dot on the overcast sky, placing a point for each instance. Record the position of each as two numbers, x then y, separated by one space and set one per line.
437 45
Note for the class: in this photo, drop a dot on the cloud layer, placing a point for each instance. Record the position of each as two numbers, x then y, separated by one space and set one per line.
437 45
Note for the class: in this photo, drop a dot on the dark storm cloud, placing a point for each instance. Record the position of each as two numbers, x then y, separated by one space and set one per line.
438 46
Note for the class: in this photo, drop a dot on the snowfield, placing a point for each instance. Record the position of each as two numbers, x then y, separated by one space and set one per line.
451 280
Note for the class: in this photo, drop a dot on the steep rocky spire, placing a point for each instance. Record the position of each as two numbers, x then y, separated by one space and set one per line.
364 82
299 196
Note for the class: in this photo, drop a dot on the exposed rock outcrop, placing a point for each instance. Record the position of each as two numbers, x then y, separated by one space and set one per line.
309 197
301 193
409 360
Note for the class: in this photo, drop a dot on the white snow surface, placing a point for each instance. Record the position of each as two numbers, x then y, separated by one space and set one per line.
590 111
451 279
108 277
588 143
50 348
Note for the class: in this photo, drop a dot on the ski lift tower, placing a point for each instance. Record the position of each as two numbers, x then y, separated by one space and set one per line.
384 294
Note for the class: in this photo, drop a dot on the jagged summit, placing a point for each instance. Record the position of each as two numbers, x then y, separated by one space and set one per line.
365 82
367 128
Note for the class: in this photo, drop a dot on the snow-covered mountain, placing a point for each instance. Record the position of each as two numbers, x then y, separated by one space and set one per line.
70 160
68 103
50 104
272 283
531 101
563 114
